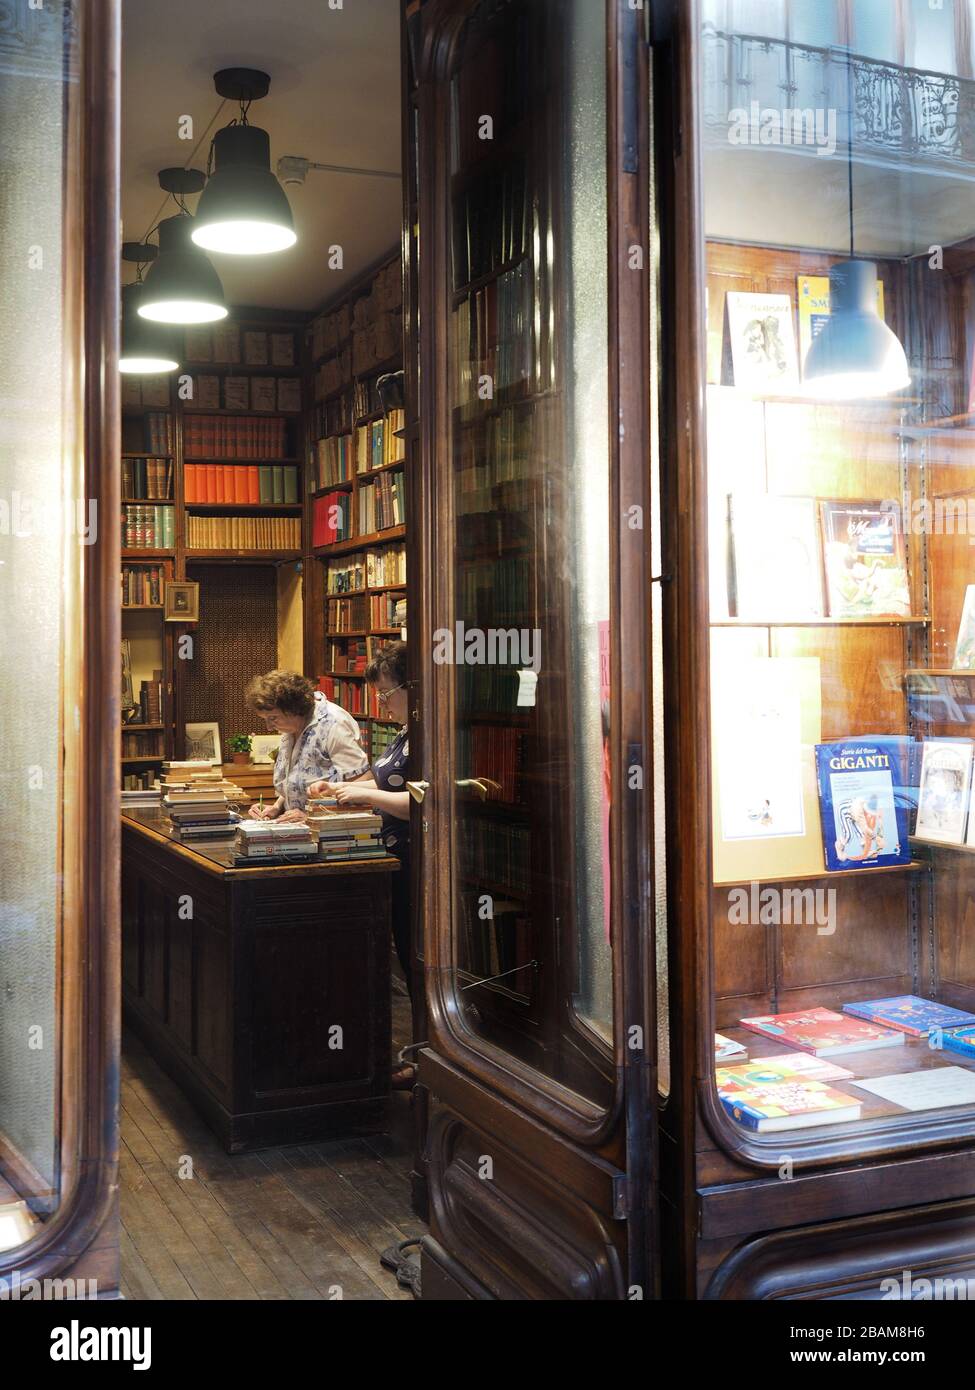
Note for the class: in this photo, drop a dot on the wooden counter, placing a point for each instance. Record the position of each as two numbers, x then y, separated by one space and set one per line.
263 992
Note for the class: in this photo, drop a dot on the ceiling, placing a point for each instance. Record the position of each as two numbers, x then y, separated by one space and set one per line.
334 98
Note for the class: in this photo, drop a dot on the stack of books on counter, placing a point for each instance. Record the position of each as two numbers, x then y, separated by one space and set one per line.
272 839
198 800
140 796
346 834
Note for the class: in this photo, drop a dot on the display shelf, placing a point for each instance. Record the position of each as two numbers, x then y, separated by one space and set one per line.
915 866
878 621
194 555
129 554
218 458
958 673
394 533
243 506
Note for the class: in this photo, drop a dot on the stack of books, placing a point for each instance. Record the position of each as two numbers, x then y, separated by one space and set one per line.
346 834
269 839
140 796
198 799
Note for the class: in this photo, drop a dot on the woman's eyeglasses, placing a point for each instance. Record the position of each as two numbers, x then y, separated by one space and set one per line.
383 695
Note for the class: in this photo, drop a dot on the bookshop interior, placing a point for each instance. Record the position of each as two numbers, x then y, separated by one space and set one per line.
531 854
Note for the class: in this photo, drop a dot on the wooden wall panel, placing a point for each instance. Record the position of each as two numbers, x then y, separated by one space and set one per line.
861 672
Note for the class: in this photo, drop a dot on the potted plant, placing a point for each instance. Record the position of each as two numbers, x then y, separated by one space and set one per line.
240 747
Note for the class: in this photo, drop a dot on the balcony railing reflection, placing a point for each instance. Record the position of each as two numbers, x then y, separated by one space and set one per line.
898 113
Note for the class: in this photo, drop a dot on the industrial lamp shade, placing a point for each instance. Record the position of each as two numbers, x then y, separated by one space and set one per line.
182 286
243 211
855 356
147 348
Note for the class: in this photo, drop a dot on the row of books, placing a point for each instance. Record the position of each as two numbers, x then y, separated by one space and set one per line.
494 753
793 1090
340 457
147 479
504 446
141 745
346 575
387 611
148 528
246 393
234 436
498 944
355 696
334 459
496 855
350 656
331 518
160 433
496 593
145 390
221 343
491 224
142 788
243 533
386 566
382 503
494 339
240 483
142 584
836 559
380 738
365 398
333 416
347 614
150 700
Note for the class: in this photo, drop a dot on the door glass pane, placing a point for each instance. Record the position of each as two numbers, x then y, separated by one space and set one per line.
528 640
841 516
43 524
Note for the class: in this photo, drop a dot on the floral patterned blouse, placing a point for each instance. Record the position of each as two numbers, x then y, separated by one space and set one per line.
328 747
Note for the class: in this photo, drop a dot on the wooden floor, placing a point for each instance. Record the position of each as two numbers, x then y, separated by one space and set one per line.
306 1221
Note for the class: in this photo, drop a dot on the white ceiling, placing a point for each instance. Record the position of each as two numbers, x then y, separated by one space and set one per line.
334 98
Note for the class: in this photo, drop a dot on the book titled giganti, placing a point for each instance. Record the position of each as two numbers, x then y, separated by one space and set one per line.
864 823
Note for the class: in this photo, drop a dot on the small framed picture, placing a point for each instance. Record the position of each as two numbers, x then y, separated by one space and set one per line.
264 748
181 601
203 742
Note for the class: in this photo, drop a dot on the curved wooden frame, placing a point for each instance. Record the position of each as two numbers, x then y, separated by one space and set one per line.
628 347
88 971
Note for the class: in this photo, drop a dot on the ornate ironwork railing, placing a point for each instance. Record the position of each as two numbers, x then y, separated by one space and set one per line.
902 113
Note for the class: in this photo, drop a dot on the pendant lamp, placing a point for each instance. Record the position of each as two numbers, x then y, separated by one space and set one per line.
147 348
182 286
855 356
243 211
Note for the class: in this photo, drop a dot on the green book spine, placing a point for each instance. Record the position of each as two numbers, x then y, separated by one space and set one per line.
277 480
264 483
291 485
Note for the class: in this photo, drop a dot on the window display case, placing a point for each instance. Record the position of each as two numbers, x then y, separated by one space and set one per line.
826 864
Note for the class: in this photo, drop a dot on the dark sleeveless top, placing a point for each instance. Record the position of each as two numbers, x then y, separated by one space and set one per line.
391 773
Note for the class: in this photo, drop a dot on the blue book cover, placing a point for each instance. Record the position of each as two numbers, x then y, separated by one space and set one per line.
960 1040
910 1014
863 804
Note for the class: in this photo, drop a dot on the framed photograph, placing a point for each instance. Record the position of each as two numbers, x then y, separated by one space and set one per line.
181 601
264 748
203 741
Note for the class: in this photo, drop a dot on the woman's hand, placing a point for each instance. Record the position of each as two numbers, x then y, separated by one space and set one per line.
321 788
348 794
259 812
291 817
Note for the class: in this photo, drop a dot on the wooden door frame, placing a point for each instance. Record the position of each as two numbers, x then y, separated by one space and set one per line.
88 969
451 1046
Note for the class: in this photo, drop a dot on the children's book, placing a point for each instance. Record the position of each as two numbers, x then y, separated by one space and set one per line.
960 1040
785 1066
866 566
763 342
942 806
864 823
787 1105
728 1048
910 1014
823 1032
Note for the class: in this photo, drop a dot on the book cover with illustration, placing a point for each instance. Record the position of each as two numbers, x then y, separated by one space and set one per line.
784 1066
960 1040
910 1014
727 1047
787 1105
864 821
823 1032
763 342
942 803
865 562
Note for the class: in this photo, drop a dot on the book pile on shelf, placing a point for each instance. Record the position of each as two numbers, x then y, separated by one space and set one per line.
333 460
382 503
150 699
148 528
494 336
345 576
495 853
160 434
347 614
139 789
234 437
331 518
376 444
199 800
386 567
496 750
281 393
334 374
797 1089
239 483
141 744
386 611
258 840
349 657
148 390
329 332
221 344
243 533
377 320
147 479
142 585
345 835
